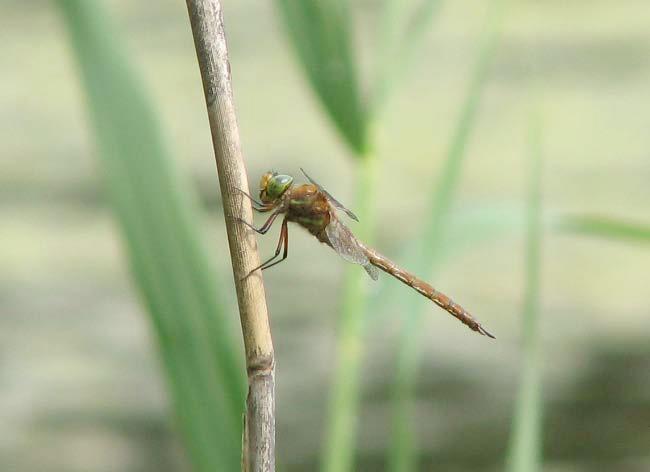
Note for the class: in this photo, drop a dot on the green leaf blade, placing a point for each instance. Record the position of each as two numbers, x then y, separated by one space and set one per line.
340 439
402 456
605 227
160 230
525 452
320 34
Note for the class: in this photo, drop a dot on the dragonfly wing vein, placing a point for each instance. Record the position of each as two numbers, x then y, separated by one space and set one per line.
348 247
372 271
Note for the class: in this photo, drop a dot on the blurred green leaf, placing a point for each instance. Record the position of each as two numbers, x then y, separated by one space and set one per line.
320 32
525 442
402 32
481 224
609 228
403 452
340 440
157 219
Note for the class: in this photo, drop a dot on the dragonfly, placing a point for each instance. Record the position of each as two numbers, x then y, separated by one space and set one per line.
312 207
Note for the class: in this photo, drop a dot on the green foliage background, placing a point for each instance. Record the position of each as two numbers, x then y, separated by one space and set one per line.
420 114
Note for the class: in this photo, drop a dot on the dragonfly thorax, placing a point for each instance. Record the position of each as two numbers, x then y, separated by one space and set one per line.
273 186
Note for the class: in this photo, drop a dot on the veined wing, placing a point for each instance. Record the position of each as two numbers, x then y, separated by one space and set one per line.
334 201
348 247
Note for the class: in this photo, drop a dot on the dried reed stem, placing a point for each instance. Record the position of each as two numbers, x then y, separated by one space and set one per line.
206 18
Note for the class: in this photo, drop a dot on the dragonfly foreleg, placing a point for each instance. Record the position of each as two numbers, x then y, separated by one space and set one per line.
257 205
283 241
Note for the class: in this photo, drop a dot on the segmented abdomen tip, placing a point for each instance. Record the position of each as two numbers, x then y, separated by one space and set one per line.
485 332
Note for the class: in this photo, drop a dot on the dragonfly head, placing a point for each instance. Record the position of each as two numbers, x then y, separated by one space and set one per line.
273 186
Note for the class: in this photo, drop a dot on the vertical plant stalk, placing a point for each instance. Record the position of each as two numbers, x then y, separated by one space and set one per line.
340 441
206 18
525 444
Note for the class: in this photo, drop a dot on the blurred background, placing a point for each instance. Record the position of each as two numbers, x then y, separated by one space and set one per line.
82 387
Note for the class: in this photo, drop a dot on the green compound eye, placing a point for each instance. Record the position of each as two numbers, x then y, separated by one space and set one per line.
277 185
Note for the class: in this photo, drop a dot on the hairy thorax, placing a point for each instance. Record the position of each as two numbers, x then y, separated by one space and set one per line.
308 207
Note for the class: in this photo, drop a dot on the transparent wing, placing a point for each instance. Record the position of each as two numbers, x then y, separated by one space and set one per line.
372 271
334 201
348 247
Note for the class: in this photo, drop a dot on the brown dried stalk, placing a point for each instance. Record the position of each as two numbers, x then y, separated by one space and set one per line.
206 18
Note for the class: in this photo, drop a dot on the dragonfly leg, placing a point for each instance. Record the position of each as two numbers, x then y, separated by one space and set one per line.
283 241
257 205
265 227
